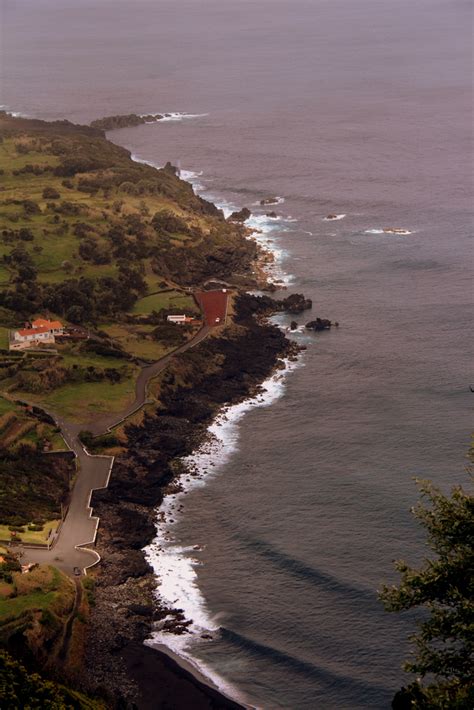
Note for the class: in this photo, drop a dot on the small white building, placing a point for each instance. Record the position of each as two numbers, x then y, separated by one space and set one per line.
179 319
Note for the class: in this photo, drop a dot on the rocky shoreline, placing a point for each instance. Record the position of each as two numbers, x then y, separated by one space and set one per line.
222 370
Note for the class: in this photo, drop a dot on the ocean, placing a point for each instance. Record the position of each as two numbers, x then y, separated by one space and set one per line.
361 109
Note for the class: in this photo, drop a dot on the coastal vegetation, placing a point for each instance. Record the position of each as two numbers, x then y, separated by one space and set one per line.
224 369
21 688
443 588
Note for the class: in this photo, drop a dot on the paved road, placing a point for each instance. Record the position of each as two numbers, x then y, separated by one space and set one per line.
74 544
79 527
104 424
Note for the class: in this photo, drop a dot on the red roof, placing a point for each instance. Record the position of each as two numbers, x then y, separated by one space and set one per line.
33 331
44 323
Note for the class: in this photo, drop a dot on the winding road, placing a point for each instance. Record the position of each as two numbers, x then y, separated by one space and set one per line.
73 545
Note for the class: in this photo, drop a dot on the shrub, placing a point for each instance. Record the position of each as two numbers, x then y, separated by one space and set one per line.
31 207
49 193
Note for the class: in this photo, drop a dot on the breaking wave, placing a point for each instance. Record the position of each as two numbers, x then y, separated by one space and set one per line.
388 230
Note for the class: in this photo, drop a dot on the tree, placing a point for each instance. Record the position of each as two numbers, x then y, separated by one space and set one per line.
444 588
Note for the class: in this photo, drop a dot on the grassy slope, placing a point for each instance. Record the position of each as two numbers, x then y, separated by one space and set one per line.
169 299
108 191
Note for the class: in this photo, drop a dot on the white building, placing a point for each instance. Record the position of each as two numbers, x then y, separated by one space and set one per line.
179 319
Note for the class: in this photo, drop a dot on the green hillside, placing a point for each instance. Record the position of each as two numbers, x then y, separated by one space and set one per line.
94 239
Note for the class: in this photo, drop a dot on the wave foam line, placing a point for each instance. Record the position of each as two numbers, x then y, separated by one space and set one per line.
181 116
15 114
175 564
261 224
395 231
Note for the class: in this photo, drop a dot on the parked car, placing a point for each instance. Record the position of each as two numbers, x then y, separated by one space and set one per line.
77 571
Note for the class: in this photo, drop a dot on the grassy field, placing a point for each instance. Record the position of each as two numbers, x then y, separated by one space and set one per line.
136 340
31 536
44 588
167 299
81 401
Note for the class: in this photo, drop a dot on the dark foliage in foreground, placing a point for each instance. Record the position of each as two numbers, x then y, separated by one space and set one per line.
21 689
444 587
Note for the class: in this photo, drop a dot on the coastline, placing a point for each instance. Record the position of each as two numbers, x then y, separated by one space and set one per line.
262 349
207 459
174 563
226 370
126 612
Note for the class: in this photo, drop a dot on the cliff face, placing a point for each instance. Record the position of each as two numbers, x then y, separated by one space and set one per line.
221 370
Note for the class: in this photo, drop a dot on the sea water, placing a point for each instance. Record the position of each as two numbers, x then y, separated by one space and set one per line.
354 109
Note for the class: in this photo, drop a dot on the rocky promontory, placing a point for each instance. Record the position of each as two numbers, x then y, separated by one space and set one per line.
294 303
111 123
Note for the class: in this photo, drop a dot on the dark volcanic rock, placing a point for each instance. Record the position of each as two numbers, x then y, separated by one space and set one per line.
319 324
141 609
240 216
111 123
272 215
293 325
269 201
219 371
296 303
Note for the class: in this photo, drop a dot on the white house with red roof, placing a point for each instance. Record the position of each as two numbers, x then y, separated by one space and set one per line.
40 332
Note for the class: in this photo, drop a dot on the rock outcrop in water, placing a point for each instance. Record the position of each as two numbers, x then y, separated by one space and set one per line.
240 216
319 324
296 303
